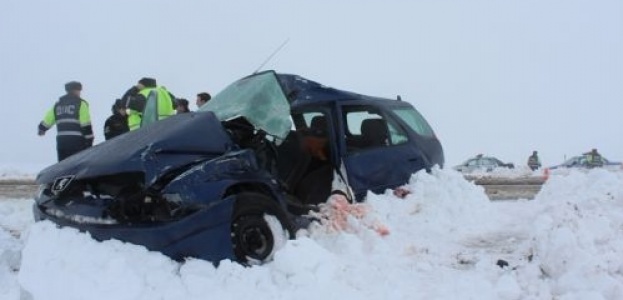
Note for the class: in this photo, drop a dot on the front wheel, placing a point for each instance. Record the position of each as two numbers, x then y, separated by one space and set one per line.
259 228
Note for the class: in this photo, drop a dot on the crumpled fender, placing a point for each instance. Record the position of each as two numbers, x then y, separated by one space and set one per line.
208 181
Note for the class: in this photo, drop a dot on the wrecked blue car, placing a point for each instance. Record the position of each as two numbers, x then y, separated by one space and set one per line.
237 178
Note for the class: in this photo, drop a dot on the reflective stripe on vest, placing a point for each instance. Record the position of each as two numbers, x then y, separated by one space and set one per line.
77 133
64 121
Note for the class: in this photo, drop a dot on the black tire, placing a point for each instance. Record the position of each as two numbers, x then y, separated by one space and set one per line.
252 237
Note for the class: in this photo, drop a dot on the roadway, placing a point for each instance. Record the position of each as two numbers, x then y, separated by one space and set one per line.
496 188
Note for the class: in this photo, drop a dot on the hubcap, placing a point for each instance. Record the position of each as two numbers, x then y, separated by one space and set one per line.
253 237
255 241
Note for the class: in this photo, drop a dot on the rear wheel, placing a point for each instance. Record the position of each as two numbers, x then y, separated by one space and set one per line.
259 228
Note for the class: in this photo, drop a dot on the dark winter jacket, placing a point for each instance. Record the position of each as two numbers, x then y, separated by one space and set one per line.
115 125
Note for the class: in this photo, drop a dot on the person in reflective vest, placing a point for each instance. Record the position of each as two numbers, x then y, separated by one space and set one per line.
158 102
533 161
73 122
594 159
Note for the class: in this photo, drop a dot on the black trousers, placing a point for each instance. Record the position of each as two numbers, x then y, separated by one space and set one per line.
67 152
68 146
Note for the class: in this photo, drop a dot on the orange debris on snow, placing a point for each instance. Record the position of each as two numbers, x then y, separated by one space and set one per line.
337 211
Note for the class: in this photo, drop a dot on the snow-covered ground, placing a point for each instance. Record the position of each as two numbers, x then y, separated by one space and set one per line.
445 240
11 171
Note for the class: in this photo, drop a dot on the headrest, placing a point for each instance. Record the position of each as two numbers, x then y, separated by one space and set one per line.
374 131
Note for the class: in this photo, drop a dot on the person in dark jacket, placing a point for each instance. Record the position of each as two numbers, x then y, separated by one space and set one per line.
181 106
73 122
128 97
117 123
533 161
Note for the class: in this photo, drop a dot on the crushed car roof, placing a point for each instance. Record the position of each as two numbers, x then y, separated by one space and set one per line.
300 90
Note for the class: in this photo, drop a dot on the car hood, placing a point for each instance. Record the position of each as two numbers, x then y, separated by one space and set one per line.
152 150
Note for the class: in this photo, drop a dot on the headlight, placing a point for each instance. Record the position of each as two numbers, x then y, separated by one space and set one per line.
41 190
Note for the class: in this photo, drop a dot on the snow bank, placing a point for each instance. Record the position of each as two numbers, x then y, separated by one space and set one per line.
15 217
578 238
445 240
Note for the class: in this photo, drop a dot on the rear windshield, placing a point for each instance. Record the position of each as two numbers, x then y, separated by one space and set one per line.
415 120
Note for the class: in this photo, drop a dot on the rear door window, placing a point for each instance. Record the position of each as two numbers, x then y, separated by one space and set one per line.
367 128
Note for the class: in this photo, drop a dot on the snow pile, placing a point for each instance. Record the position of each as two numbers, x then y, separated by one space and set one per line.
579 236
15 217
566 171
444 240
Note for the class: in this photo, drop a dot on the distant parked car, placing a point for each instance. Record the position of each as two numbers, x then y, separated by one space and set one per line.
581 161
482 163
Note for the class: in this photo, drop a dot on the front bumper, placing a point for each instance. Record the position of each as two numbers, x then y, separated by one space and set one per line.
204 234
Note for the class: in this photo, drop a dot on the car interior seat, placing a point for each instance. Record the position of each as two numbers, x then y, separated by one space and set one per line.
316 140
292 162
374 132
315 185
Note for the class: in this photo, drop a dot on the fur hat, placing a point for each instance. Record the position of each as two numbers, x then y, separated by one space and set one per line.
73 86
148 82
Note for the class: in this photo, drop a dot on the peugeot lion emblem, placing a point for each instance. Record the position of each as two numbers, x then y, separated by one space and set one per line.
61 183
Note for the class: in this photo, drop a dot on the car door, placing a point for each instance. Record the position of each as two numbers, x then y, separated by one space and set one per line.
377 152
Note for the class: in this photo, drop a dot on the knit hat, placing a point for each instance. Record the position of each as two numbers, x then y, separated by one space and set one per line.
73 86
148 82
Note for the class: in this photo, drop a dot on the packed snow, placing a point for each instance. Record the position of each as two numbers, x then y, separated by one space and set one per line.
444 240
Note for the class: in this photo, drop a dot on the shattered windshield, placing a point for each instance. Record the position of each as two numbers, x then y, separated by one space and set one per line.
259 98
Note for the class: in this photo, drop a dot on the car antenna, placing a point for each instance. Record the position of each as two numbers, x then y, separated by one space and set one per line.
399 98
271 56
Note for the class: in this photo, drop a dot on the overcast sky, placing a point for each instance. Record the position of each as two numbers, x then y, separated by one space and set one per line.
495 77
